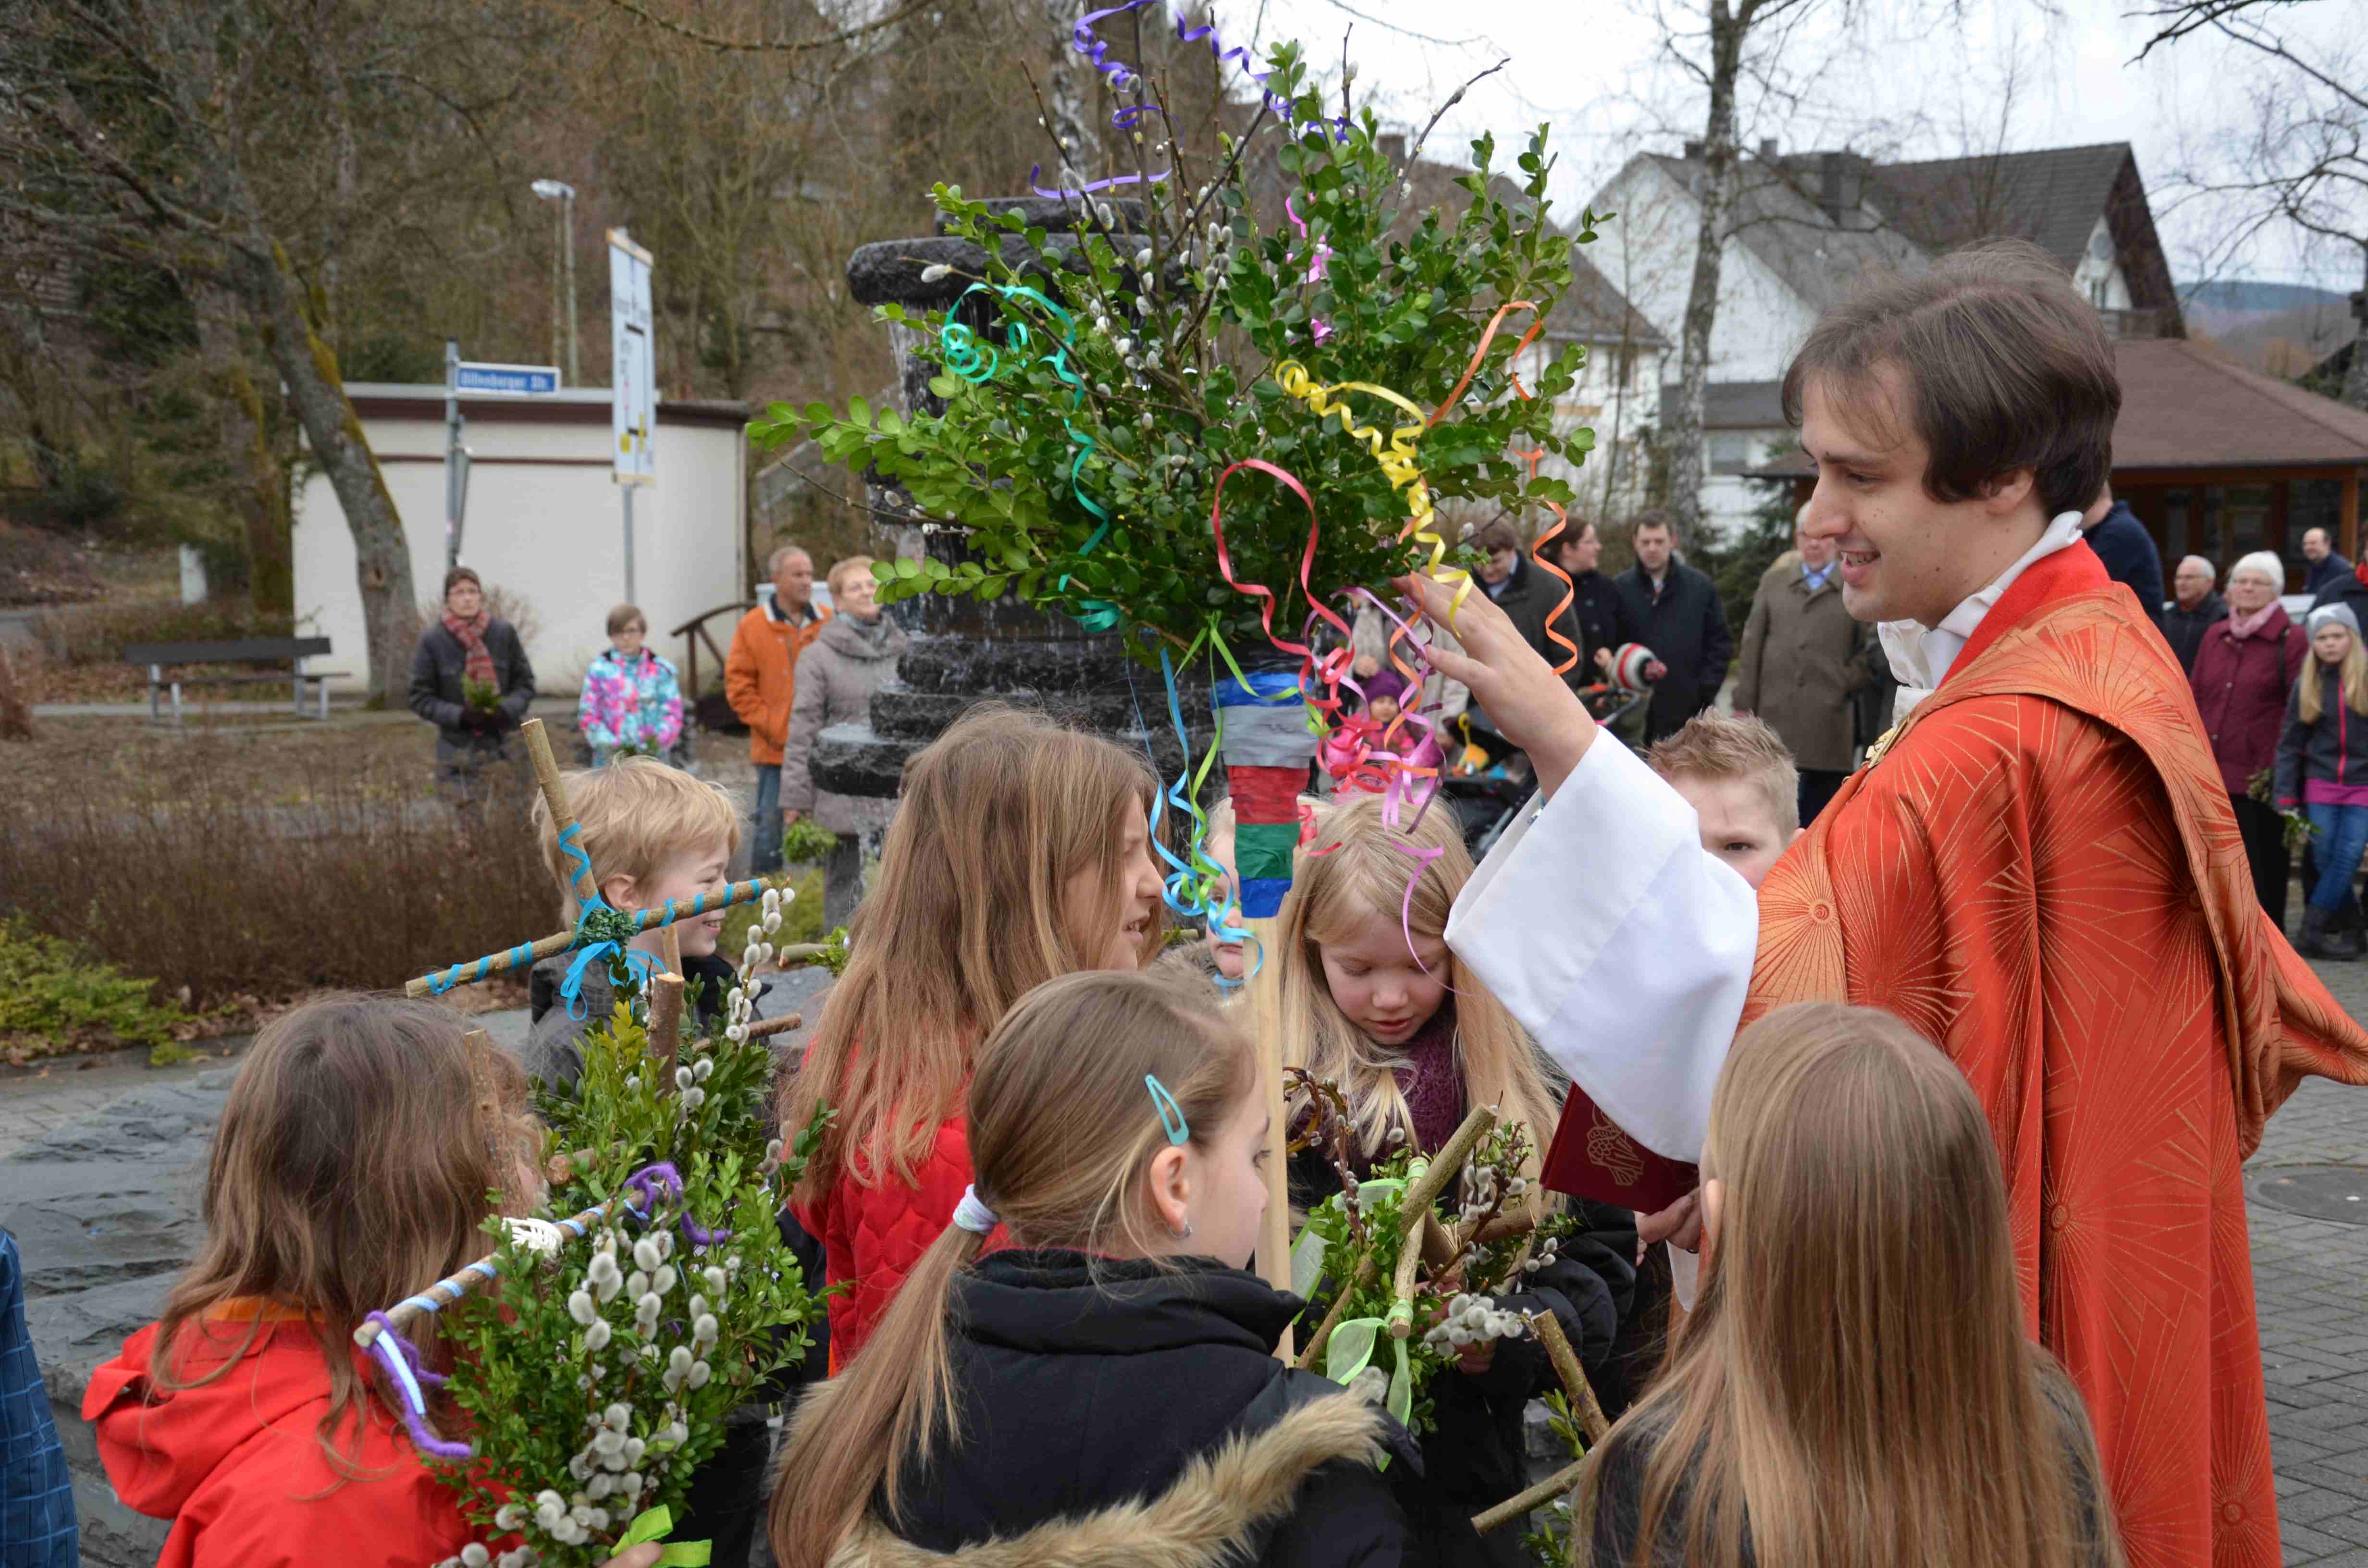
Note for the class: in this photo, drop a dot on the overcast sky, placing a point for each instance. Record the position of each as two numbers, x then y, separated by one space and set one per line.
1901 82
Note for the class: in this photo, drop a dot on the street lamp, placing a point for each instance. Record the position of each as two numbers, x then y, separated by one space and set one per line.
563 253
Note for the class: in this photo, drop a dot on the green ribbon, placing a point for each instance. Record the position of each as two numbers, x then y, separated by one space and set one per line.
653 1525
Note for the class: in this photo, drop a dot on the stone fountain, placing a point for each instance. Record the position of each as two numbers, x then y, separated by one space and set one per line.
962 652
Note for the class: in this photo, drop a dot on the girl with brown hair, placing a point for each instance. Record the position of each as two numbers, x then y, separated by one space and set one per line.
1853 1387
350 1169
1021 851
1104 1390
1372 999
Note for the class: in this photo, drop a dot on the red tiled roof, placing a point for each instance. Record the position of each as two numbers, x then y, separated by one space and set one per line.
2183 406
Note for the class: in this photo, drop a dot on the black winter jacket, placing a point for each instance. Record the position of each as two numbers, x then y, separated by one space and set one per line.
1603 616
1474 1453
1129 1413
2184 628
1686 628
1528 597
436 664
2334 750
2122 543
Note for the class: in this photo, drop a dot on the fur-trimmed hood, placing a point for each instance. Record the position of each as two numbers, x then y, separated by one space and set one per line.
1210 1517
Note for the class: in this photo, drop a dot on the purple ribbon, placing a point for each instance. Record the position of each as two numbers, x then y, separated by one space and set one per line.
662 1183
402 1361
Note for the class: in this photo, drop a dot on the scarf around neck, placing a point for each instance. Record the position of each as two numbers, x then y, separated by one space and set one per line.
2243 625
476 663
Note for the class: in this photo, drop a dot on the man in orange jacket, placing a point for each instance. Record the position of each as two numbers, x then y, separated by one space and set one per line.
760 680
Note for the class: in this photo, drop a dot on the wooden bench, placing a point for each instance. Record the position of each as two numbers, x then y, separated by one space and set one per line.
289 650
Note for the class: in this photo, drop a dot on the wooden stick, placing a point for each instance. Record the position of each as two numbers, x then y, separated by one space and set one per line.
472 1277
1537 1496
665 1024
526 954
1420 1194
546 775
781 1024
1575 1386
670 950
1274 1229
798 954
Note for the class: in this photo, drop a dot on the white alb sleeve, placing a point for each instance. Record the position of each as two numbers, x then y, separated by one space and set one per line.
1621 944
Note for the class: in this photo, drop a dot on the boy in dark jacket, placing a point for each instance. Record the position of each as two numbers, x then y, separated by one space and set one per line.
470 679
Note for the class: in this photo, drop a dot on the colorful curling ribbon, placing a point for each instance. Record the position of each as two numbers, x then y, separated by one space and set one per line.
960 352
1397 456
1319 261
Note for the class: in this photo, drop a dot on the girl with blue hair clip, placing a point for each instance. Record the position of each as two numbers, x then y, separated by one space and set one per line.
1104 1388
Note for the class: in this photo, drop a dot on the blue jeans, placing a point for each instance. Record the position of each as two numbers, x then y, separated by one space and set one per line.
2340 835
765 849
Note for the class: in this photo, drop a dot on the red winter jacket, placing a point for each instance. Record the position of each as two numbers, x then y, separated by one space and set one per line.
2240 693
872 1234
236 1463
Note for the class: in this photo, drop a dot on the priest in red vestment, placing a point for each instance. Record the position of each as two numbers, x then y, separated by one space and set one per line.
2038 868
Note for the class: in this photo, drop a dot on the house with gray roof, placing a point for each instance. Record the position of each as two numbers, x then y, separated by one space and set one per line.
1807 228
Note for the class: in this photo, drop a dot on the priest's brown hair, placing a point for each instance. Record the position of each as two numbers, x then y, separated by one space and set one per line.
1996 362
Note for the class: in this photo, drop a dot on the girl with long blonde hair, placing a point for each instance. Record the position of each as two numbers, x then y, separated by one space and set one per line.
350 1170
1372 999
2323 770
1104 1390
1853 1388
1020 850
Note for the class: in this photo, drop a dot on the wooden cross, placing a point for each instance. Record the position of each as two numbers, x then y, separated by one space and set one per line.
666 991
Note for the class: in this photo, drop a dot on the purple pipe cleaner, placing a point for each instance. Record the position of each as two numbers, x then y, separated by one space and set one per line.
662 1183
402 1361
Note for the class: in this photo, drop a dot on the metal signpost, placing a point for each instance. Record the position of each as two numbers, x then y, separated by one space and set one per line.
632 378
475 376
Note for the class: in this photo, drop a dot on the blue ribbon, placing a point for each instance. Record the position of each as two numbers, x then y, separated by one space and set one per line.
571 989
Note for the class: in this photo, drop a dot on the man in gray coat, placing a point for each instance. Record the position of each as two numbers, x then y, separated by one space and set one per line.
1802 658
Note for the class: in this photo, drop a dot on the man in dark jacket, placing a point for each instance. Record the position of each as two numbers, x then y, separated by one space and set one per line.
2122 543
1678 615
2196 607
1599 617
470 678
1521 590
2326 566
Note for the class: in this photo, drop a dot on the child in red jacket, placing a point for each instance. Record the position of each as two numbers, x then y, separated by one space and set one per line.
1020 850
350 1170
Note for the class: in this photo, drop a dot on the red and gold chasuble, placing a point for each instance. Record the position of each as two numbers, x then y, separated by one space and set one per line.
2043 873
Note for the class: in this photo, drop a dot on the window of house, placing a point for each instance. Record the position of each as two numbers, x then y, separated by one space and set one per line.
1730 450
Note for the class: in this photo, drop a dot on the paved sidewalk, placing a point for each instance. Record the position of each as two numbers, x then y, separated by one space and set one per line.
2310 1282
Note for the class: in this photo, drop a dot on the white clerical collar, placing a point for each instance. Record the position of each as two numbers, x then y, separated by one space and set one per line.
1921 658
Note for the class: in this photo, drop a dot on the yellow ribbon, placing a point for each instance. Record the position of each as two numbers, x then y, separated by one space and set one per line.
1396 456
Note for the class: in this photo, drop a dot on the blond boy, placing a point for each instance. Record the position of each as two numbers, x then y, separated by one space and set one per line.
1742 784
652 833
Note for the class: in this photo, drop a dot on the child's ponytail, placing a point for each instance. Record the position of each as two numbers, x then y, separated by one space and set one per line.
1061 1129
852 1436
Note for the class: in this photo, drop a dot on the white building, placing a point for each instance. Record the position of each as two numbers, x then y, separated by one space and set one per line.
1806 229
544 522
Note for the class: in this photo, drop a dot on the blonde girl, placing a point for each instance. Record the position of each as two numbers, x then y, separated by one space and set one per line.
1372 999
1020 850
350 1170
2323 769
1853 1388
1104 1390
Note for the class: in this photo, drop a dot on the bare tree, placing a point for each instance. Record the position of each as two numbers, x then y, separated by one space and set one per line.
222 140
2302 162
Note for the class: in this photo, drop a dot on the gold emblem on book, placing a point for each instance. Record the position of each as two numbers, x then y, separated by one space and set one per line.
1613 1151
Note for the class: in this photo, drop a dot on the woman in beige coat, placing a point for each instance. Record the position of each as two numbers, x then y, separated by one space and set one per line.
852 654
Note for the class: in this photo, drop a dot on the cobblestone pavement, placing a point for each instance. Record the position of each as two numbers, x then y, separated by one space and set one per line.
2310 1282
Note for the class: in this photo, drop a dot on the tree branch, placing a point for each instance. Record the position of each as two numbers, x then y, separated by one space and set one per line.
803 46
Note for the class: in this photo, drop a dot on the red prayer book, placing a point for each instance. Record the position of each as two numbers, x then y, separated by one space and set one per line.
1592 1157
